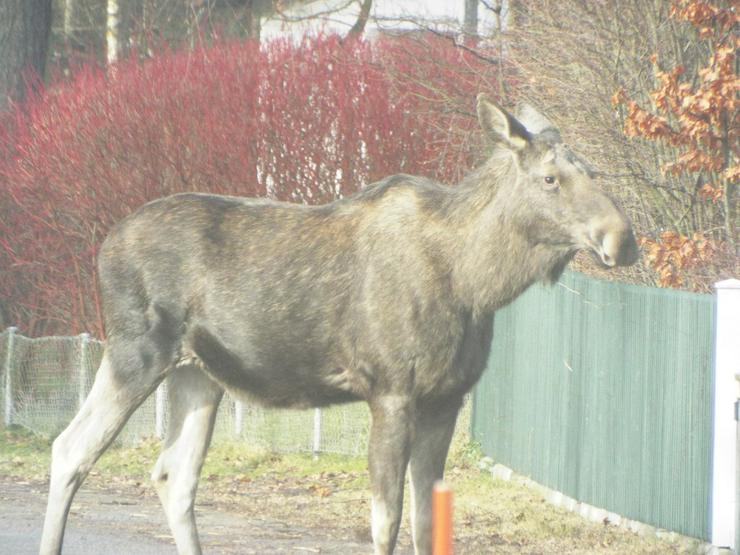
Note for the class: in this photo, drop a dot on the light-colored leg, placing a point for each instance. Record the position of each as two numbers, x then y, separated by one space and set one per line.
105 411
390 438
194 400
432 438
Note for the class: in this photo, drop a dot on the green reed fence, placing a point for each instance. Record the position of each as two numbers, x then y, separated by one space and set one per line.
603 391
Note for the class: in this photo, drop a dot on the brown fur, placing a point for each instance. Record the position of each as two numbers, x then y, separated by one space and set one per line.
387 296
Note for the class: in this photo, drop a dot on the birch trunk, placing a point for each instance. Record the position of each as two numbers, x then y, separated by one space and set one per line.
112 28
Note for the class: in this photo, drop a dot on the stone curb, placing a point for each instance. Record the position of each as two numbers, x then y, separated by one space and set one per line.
685 544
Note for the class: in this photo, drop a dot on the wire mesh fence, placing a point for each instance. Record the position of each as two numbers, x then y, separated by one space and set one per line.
44 381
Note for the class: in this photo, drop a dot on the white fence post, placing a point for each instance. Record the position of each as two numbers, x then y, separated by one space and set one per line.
9 377
737 466
82 369
725 395
159 409
238 418
316 432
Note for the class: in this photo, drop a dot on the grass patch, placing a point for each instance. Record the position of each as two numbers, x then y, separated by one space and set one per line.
490 514
26 455
23 453
235 461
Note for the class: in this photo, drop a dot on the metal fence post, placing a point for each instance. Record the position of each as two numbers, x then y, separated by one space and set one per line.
159 409
82 374
238 418
316 432
9 376
725 394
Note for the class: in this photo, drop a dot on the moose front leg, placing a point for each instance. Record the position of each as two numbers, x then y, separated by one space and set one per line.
390 445
432 436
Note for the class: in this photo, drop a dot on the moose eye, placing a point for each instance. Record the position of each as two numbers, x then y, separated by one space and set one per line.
551 183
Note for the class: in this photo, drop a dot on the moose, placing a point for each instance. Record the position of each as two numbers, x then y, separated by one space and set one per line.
386 296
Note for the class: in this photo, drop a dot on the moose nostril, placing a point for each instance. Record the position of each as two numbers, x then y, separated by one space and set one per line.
617 248
631 250
614 244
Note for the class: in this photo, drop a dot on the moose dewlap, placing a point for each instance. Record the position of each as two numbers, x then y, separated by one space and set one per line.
387 296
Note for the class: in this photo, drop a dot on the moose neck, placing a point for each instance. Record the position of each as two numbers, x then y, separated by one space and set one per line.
495 260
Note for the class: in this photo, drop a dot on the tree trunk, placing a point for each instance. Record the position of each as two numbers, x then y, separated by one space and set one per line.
112 29
470 25
253 23
359 27
72 24
24 41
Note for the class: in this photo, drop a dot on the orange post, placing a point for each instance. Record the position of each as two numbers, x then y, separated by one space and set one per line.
441 519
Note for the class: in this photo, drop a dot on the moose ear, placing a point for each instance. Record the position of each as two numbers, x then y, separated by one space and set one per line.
536 123
500 125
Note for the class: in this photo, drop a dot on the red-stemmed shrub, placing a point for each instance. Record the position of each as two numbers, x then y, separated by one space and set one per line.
305 122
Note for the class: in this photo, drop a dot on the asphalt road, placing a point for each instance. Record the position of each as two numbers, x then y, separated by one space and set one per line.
99 523
110 523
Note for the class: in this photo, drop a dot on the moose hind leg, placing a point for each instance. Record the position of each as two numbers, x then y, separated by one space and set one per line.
390 436
193 400
115 395
433 433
